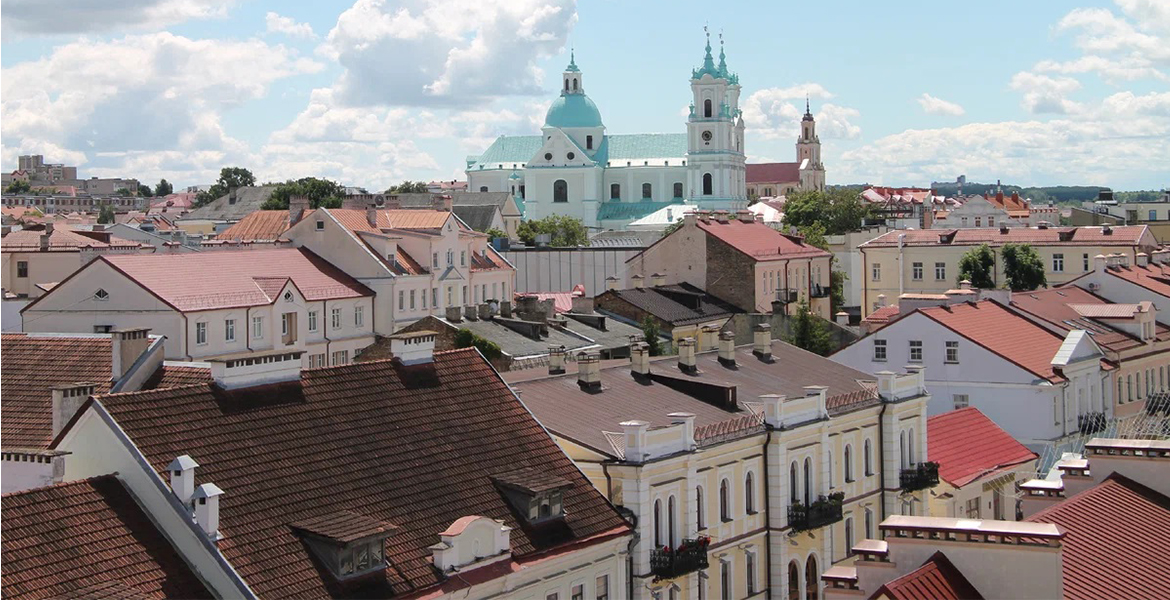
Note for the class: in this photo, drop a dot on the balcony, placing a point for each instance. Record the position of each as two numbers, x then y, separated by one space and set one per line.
823 511
819 291
1090 423
919 477
786 296
688 557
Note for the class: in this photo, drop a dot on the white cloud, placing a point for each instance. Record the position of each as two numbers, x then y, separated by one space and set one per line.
445 52
1130 46
54 17
775 113
275 23
1044 94
937 106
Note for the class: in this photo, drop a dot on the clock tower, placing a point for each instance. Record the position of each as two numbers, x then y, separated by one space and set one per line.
716 171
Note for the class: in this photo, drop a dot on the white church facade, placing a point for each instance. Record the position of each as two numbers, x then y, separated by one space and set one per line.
575 168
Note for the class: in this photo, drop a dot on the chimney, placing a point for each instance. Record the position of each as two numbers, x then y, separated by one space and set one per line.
556 360
686 356
773 411
1003 228
657 279
611 283
297 205
67 399
49 228
1106 229
470 314
762 341
454 314
635 433
260 368
183 478
637 281
582 305
45 237
505 309
690 219
640 359
842 318
414 348
881 300
485 311
206 499
1141 259
589 372
727 348
687 420
372 215
822 394
126 346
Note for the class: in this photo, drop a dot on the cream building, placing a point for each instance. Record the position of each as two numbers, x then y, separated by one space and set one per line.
33 260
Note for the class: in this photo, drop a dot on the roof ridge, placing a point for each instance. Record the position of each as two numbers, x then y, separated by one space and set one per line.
62 484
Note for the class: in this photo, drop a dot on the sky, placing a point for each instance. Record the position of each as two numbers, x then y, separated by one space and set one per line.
379 91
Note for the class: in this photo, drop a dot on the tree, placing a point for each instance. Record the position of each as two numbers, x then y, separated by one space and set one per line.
652 334
494 233
1023 268
18 186
464 338
229 179
321 193
106 214
814 235
978 267
163 188
809 332
565 231
122 192
837 210
145 191
408 187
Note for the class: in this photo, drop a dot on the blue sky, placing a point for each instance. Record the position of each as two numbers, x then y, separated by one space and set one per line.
373 92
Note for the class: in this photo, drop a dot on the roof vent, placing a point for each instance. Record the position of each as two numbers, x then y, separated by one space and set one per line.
414 348
256 369
348 543
658 280
637 280
1106 230
183 478
206 499
762 341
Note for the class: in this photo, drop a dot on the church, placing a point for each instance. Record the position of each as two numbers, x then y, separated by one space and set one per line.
574 168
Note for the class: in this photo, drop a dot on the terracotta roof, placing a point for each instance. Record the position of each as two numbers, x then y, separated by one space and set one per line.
936 579
1003 332
1065 307
1123 235
773 172
679 304
285 453
344 526
401 218
488 261
260 225
1116 542
1155 278
967 445
758 240
89 539
62 239
213 280
881 316
1108 311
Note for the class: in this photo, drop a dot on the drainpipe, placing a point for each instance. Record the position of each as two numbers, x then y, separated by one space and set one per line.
767 516
186 337
882 457
864 285
901 266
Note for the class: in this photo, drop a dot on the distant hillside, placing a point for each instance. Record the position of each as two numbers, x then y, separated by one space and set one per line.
1059 194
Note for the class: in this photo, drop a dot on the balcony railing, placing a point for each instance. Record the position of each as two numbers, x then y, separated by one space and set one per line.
788 296
1090 423
688 557
823 511
819 291
919 477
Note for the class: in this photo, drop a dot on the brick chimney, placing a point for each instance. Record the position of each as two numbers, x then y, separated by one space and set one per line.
556 360
762 341
686 356
67 399
589 372
206 498
260 368
414 348
183 478
372 215
727 348
126 346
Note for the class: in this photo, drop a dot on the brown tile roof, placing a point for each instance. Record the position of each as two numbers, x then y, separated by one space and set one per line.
1116 542
679 304
89 539
1122 235
759 241
1003 332
1065 307
488 261
400 218
584 417
936 579
773 173
967 445
260 225
880 317
1155 278
62 239
289 452
344 526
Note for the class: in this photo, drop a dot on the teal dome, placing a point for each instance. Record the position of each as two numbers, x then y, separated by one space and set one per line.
573 110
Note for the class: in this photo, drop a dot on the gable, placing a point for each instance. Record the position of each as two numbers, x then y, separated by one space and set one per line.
560 145
79 294
337 245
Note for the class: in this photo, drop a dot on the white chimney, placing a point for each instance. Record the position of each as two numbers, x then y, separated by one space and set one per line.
414 348
611 283
589 372
126 346
657 279
635 433
556 360
1100 262
881 301
1141 259
773 408
727 348
67 399
256 369
183 478
640 358
842 318
637 280
206 498
687 420
822 394
686 356
762 341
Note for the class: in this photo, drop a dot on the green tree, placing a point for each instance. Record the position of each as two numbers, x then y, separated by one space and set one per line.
145 191
494 233
978 267
1023 268
106 214
163 188
229 178
809 331
18 186
321 193
814 235
565 231
837 210
652 334
408 187
464 338
122 192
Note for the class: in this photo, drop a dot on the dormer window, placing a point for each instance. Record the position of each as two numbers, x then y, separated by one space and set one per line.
537 496
349 544
101 295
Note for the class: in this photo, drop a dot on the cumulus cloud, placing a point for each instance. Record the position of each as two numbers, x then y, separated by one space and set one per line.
1043 94
445 52
775 113
937 106
1132 45
275 23
53 17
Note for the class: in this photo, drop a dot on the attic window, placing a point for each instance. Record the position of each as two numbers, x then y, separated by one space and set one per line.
288 296
548 155
101 295
536 495
349 544
320 225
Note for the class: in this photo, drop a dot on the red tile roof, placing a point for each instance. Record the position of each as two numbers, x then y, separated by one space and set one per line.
1123 235
936 579
396 218
89 539
1155 278
758 241
1003 332
773 173
62 239
259 225
880 317
1116 542
967 445
286 453
1064 307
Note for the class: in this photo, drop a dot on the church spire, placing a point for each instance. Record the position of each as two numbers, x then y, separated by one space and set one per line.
708 61
807 109
722 57
572 68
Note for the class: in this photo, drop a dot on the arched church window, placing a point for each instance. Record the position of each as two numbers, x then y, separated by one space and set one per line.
707 184
678 190
574 85
588 142
615 191
560 191
566 84
647 191
707 108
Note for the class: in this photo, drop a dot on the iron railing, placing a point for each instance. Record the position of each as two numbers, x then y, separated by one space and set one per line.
688 557
919 477
823 511
1090 423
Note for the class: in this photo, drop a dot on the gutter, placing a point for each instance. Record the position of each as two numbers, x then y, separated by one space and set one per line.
767 517
186 337
882 454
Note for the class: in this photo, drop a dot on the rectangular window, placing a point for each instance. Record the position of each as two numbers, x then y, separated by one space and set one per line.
915 350
1153 215
22 268
961 401
579 592
320 225
412 294
284 324
1057 263
336 318
991 221
877 272
229 330
973 508
434 297
1085 265
201 333
552 596
725 579
257 328
879 350
359 316
465 295
940 271
916 271
979 221
952 352
312 321
463 258
603 587
750 564
341 357
434 259
401 300
450 295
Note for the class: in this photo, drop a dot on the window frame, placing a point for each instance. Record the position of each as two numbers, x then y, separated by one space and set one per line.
880 350
22 269
917 270
201 333
940 271
229 330
312 321
258 327
949 357
1058 262
335 318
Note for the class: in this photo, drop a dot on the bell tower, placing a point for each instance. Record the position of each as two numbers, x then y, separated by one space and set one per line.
808 152
716 170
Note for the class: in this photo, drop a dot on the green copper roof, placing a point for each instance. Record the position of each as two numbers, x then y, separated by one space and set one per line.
510 150
572 62
626 211
573 110
519 149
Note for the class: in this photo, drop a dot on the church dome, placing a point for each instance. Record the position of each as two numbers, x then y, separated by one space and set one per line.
573 110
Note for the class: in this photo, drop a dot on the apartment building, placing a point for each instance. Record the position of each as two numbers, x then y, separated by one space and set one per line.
748 470
217 304
927 260
680 310
742 261
33 260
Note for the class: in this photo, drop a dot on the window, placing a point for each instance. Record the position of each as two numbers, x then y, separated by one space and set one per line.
647 191
700 515
793 581
658 543
412 296
588 142
671 530
750 567
229 330
603 587
560 191
103 328
868 524
915 350
991 221
876 272
578 592
359 314
867 457
1153 215
201 333
808 482
678 190
979 221
320 225
101 295
22 268
724 501
812 579
973 508
435 259
1057 263
708 184
552 596
463 258
336 318
916 271
483 188
615 191
312 321
749 494
902 450
1085 264
257 328
952 352
879 350
961 401
464 295
434 297
450 258
940 271
341 357
793 487
707 108
284 318
725 573
849 536
848 463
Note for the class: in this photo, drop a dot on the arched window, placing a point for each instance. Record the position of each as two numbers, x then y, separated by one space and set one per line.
707 108
830 452
615 191
868 457
588 142
657 523
574 84
903 457
678 190
724 501
647 191
808 484
913 458
483 188
560 191
749 494
793 581
848 463
812 579
671 530
566 84
793 486
849 537
707 184
701 516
